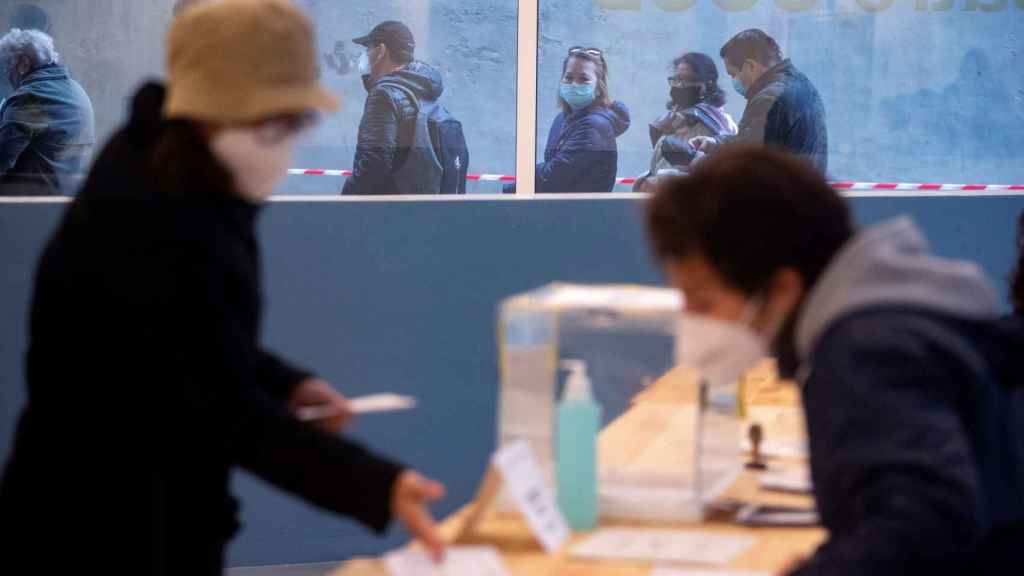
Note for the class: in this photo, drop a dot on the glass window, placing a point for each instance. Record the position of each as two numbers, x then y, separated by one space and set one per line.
871 90
472 48
466 51
876 90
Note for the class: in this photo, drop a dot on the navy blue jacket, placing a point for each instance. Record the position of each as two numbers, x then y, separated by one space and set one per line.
785 110
913 396
581 155
46 133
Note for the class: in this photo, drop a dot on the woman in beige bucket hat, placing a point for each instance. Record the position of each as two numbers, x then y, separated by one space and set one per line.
147 382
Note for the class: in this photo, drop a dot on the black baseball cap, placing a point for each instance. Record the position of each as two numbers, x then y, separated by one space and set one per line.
395 35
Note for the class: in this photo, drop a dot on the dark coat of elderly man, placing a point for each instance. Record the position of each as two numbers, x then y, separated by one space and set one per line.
46 124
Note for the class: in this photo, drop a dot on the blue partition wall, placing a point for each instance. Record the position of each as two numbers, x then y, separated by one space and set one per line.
395 296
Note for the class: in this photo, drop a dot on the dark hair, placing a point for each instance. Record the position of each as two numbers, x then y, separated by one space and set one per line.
705 72
752 44
601 93
1017 276
750 211
400 56
30 17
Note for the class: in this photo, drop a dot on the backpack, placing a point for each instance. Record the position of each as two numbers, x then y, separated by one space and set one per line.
438 158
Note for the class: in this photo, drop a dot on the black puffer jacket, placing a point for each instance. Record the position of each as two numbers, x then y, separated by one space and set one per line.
147 382
387 128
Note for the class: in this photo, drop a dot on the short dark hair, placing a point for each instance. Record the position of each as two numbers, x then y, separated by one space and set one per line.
752 44
750 211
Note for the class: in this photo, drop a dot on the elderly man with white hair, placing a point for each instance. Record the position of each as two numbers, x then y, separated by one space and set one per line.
46 124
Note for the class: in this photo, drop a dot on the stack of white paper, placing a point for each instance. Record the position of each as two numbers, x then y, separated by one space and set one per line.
459 561
662 546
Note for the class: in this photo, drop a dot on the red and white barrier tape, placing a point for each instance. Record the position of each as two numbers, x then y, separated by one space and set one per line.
839 185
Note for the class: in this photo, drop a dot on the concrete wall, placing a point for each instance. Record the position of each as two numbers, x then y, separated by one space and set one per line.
402 297
916 90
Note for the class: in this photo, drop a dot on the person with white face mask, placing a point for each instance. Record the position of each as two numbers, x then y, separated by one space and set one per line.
148 384
397 86
911 383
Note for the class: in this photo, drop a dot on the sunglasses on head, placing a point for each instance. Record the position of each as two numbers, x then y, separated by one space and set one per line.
592 52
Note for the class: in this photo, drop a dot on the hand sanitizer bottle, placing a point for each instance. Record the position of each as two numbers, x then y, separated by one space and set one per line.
579 418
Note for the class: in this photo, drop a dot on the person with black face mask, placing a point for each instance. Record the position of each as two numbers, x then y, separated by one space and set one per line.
695 109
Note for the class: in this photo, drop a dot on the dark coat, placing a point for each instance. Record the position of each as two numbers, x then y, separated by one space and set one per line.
913 390
46 133
581 154
147 381
916 439
784 109
387 128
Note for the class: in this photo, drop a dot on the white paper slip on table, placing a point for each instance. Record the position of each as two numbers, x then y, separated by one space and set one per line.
695 547
459 561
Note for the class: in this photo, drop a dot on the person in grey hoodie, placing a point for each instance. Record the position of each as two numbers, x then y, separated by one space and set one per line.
911 381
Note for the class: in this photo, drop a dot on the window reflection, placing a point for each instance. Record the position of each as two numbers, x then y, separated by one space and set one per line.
868 90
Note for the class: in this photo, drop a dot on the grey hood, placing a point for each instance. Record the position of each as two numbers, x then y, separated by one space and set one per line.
889 264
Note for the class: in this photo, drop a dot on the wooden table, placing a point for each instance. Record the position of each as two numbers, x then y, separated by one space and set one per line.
634 440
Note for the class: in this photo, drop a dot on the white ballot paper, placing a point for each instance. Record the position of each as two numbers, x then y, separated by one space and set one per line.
671 572
533 497
459 561
362 405
381 403
662 546
795 482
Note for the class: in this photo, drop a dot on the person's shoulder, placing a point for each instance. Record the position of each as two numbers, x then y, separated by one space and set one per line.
386 93
599 117
897 331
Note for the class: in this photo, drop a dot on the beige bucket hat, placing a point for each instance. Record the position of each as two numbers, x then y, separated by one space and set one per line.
242 61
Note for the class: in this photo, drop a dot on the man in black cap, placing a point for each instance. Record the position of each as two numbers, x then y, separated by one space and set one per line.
397 84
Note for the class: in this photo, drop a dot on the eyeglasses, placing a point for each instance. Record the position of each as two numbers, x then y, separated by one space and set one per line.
275 130
677 82
592 52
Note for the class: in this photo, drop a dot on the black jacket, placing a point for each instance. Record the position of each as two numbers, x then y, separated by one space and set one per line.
387 128
784 109
147 383
913 395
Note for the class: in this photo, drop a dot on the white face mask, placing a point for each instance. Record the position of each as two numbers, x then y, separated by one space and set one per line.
364 64
256 166
720 351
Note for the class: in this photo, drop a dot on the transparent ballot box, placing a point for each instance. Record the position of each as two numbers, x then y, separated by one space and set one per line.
666 445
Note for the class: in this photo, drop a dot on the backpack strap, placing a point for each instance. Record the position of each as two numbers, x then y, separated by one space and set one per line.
404 90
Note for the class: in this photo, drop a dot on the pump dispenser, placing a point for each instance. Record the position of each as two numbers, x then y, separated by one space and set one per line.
579 419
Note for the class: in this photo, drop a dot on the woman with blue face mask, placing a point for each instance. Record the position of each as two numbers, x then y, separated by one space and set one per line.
581 155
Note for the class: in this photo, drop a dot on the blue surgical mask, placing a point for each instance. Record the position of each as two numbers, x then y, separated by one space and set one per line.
738 85
577 96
